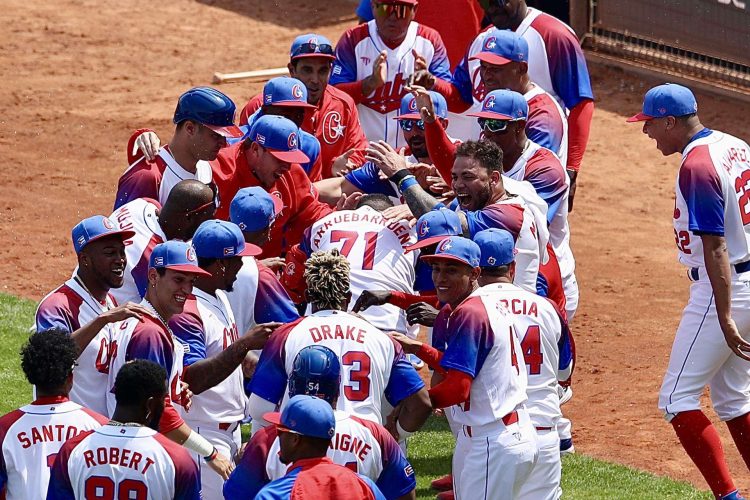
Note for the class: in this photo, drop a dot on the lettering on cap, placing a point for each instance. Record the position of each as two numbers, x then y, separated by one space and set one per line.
490 43
413 104
190 254
107 223
490 102
297 91
292 140
424 228
445 246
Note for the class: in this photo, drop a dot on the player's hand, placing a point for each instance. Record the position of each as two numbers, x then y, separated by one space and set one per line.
423 78
409 345
572 174
378 76
390 422
148 143
424 102
736 343
186 396
257 336
421 313
275 264
370 298
387 159
420 63
249 364
348 202
123 312
342 165
399 212
222 466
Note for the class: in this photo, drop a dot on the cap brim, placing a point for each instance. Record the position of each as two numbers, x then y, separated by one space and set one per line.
313 54
274 418
123 234
492 115
432 258
640 117
409 116
491 58
427 242
250 250
188 268
278 205
290 156
291 104
230 131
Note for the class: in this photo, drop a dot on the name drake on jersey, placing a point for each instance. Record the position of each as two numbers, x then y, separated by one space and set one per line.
328 332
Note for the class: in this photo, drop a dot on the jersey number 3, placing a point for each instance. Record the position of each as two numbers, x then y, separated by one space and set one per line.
358 388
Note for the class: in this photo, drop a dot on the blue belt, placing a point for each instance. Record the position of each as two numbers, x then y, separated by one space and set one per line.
740 268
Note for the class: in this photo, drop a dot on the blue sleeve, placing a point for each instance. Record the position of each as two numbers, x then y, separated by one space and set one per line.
375 490
311 147
567 64
700 186
280 489
367 179
423 277
549 184
53 317
397 478
272 303
345 66
249 477
59 487
461 79
149 345
364 10
188 329
565 348
542 287
404 380
471 339
440 67
270 378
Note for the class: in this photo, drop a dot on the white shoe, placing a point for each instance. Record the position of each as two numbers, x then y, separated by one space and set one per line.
415 361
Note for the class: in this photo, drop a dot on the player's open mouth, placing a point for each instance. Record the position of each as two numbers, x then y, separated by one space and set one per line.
118 272
463 199
179 298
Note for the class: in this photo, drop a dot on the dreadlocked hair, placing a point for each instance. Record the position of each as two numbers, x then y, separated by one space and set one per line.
327 279
48 358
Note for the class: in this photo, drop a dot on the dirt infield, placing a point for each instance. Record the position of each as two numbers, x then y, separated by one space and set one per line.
78 78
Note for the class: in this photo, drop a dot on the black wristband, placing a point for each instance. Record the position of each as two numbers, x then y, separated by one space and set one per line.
399 176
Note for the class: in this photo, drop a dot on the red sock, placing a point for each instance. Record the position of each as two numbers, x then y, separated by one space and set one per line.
740 429
703 445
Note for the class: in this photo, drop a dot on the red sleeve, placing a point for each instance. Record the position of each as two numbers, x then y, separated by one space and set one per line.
353 90
579 126
309 209
452 95
60 485
170 419
432 357
403 300
550 271
355 136
454 389
293 277
137 155
251 107
440 148
186 475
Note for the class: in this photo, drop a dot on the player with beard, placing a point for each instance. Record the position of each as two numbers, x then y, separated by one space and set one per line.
127 455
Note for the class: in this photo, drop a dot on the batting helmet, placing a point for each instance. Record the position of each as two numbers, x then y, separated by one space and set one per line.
316 372
208 107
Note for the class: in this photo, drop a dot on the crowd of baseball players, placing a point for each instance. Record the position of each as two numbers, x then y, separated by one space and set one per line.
295 266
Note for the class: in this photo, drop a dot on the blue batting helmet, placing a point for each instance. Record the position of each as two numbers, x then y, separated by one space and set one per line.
208 107
316 372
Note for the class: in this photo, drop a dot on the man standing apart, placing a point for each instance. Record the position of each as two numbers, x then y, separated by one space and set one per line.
712 233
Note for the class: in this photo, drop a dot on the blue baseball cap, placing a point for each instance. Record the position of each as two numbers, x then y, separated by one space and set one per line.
285 91
496 246
254 208
176 255
280 136
669 99
503 105
311 45
93 228
434 226
456 248
503 46
219 239
208 107
409 110
305 415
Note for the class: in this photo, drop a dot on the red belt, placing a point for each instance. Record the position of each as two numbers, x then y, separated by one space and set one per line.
509 419
544 428
224 426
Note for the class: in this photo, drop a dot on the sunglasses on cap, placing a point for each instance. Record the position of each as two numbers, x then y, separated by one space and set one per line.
313 48
386 9
407 125
485 4
493 125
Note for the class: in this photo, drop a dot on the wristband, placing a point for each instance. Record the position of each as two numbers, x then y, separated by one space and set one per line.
402 434
200 445
407 182
213 455
399 176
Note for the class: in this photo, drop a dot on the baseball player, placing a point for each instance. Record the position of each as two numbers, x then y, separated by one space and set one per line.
547 351
204 119
127 457
476 355
305 428
83 307
31 436
375 61
361 445
376 369
713 240
269 157
376 250
190 204
173 268
334 121
213 347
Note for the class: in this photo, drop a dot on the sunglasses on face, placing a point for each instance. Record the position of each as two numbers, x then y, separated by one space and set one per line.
313 48
492 125
400 10
407 125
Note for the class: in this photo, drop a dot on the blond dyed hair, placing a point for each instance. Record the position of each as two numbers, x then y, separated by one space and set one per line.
327 279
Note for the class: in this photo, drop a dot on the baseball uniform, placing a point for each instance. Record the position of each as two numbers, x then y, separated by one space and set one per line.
30 438
117 461
142 217
361 445
374 367
69 307
356 53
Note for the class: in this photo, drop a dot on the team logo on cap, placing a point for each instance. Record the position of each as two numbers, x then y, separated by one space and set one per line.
190 254
297 91
81 240
158 261
107 223
313 40
290 268
490 102
490 43
491 261
260 139
228 251
413 104
445 246
292 140
424 228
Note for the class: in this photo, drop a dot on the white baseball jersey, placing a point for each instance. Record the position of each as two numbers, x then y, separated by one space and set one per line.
70 307
356 53
373 366
123 462
374 247
206 328
142 217
713 197
30 438
545 346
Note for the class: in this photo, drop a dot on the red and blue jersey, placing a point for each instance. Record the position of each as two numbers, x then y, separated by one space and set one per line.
360 445
320 478
547 124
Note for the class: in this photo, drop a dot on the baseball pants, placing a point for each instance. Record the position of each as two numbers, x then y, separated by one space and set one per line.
570 288
700 356
228 443
544 481
494 462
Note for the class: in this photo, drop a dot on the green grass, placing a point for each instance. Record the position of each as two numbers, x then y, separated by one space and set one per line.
429 450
